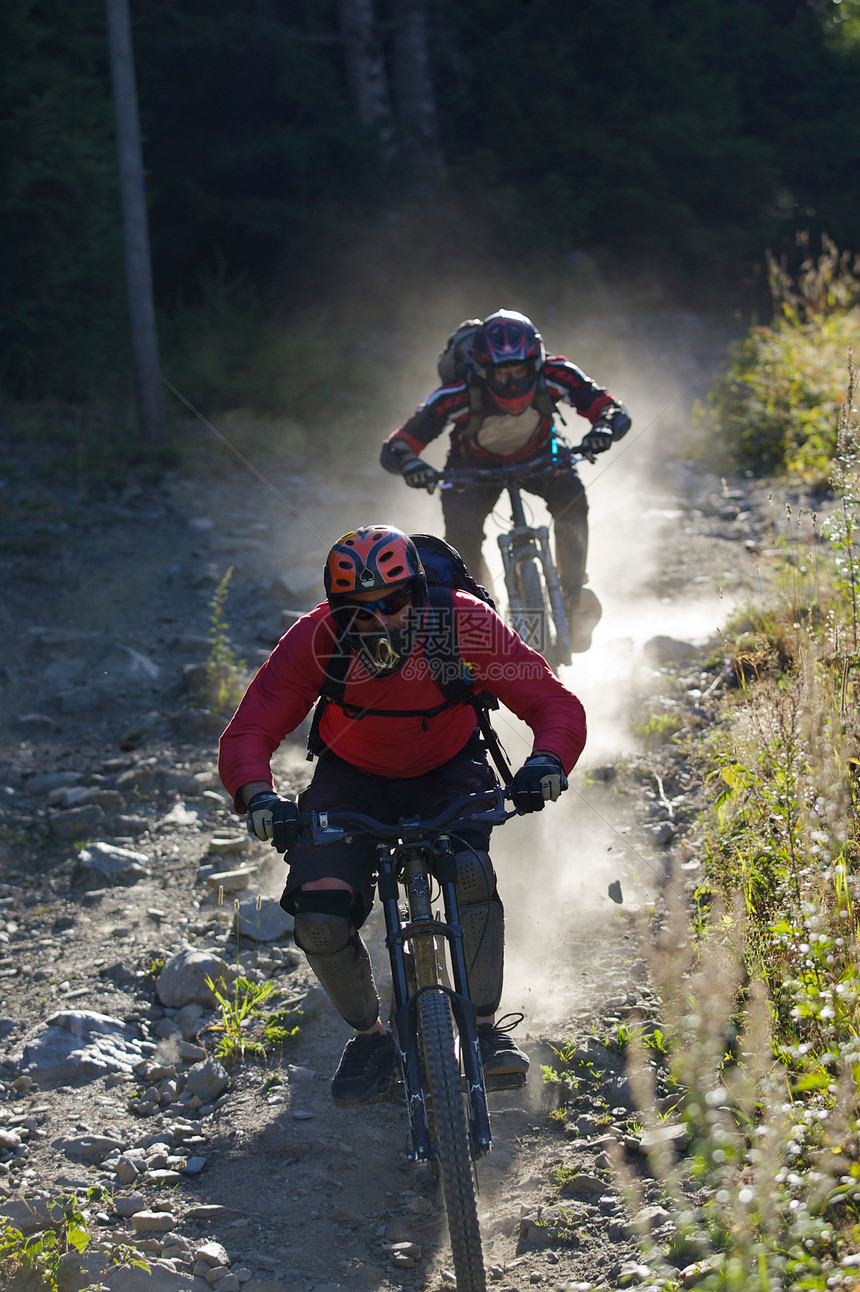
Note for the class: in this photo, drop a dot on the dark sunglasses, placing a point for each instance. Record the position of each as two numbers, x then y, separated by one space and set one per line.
390 605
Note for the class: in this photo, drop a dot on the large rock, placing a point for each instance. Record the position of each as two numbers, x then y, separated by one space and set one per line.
69 796
153 1222
77 822
160 1277
182 981
89 1148
78 1045
207 1081
82 699
264 924
51 781
668 650
122 664
231 881
107 863
27 1214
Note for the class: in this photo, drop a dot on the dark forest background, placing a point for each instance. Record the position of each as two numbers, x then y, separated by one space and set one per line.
659 144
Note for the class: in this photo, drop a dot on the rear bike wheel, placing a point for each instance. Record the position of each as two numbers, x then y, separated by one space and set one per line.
453 1154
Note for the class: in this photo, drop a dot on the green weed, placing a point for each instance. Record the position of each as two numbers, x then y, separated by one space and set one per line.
777 406
237 1014
154 968
655 729
41 1262
224 684
565 1075
276 1032
760 1003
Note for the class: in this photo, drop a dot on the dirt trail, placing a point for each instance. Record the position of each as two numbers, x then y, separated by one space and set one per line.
106 601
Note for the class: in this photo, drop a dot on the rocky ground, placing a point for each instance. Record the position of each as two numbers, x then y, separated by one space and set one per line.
126 881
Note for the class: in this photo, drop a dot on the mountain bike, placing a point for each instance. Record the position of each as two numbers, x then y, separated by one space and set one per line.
536 607
435 1022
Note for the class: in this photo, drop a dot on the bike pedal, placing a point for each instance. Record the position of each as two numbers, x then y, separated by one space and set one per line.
505 1081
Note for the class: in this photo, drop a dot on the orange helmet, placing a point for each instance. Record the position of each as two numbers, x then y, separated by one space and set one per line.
369 559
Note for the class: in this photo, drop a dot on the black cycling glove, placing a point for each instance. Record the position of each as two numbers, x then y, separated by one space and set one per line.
541 777
613 424
598 440
271 816
419 474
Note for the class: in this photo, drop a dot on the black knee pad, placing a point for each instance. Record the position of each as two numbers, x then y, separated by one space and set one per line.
476 879
322 922
337 955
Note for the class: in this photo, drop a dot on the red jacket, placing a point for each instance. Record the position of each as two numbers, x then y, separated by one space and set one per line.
292 678
565 383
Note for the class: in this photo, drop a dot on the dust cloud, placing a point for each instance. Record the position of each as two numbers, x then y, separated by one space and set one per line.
555 868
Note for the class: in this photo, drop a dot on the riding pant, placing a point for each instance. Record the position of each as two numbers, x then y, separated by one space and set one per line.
466 510
327 921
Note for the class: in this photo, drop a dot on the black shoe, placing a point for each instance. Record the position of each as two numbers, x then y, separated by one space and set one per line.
583 615
500 1055
367 1062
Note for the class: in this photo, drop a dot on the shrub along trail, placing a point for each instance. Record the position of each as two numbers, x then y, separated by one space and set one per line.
126 882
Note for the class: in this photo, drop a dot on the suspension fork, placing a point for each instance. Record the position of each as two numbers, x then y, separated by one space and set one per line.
515 547
420 931
461 1002
405 1013
526 543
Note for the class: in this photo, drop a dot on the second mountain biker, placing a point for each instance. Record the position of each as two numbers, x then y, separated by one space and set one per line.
501 406
392 747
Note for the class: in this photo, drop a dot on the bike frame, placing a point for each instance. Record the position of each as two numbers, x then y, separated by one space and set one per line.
411 854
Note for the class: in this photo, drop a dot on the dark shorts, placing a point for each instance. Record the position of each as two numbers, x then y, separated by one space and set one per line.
337 786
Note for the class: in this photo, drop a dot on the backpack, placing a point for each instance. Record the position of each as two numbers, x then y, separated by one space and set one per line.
446 572
456 362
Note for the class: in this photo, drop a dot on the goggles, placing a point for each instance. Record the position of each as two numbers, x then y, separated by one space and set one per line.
387 606
517 376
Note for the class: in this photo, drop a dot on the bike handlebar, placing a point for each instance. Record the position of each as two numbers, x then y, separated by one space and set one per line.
547 463
321 828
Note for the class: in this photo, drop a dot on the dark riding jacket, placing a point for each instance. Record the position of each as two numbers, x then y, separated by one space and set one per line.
488 436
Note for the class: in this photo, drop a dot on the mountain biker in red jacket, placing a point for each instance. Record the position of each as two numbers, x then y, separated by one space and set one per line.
384 762
502 413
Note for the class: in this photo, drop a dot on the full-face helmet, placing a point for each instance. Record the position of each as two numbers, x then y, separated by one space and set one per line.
509 352
374 558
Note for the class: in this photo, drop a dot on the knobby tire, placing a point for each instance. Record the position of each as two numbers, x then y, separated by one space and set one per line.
534 606
452 1140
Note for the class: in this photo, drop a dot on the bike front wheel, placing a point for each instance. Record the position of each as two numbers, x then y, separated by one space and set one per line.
453 1155
533 606
544 617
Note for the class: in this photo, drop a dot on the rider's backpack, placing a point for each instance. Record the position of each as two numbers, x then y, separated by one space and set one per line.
446 572
456 362
445 567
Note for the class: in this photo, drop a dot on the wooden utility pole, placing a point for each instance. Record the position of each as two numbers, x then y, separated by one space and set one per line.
138 267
